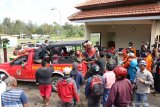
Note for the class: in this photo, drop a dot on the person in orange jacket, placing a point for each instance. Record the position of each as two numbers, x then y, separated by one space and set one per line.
130 57
131 48
149 60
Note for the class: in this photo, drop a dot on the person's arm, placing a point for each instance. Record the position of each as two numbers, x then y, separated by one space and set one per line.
76 96
81 79
87 88
150 80
24 100
112 96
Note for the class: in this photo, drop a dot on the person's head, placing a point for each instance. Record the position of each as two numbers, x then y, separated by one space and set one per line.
131 55
102 55
154 46
97 42
10 82
46 41
89 45
44 63
110 67
78 53
75 65
95 69
120 72
108 55
130 44
142 65
66 71
148 52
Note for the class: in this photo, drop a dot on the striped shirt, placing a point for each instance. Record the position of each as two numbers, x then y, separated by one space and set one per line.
14 98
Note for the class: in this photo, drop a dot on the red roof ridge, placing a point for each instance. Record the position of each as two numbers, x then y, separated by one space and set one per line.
126 11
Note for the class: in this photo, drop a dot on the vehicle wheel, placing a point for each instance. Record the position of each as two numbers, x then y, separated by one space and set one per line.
54 82
3 76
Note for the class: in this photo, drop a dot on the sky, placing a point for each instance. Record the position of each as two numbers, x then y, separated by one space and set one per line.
38 11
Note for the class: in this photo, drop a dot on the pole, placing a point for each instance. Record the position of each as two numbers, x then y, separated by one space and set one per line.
60 25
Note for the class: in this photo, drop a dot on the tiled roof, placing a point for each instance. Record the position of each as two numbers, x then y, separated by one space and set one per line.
95 2
127 11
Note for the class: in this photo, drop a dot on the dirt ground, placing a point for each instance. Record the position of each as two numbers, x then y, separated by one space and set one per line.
32 92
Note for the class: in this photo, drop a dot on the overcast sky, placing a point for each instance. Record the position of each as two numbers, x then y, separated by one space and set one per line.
38 11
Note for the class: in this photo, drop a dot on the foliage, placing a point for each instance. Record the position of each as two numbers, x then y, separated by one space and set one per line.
19 27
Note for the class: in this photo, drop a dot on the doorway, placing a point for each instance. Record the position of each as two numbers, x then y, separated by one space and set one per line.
111 37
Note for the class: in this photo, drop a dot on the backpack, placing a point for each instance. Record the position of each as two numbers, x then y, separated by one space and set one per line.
96 86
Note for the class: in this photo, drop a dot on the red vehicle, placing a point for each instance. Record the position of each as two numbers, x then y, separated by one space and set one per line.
23 68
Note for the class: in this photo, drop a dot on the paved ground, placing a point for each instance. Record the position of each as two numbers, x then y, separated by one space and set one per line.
36 101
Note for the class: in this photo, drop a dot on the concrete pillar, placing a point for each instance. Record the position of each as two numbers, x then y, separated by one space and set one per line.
153 33
87 32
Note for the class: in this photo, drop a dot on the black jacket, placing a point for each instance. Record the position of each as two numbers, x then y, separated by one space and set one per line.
44 75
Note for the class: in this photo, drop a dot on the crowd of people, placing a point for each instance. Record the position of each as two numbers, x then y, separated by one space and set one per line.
109 81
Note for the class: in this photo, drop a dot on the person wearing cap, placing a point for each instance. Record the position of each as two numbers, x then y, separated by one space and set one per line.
44 79
149 60
121 92
131 48
67 89
13 97
143 81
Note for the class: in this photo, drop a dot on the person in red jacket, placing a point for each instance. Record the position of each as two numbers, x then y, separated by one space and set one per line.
67 89
121 92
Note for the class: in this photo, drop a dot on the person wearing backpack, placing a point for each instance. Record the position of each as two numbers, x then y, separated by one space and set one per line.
109 79
94 87
67 89
121 91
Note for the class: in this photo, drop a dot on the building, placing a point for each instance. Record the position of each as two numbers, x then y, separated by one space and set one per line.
13 39
120 21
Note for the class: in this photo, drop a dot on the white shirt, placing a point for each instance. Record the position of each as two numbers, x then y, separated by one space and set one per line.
2 89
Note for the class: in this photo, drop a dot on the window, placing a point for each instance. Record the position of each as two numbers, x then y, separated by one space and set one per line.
21 60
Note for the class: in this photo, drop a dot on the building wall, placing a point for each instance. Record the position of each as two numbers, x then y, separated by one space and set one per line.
124 33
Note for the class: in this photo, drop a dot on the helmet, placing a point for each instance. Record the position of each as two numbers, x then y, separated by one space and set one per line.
66 71
95 68
78 53
120 72
108 55
143 62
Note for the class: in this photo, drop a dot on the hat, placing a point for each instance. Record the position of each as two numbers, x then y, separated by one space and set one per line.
142 62
89 43
66 71
10 81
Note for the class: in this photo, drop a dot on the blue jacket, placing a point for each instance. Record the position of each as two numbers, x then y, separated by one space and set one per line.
133 68
77 75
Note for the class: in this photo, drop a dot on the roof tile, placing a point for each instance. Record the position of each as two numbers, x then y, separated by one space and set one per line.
135 10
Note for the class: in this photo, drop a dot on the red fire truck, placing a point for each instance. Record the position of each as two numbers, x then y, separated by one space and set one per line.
23 67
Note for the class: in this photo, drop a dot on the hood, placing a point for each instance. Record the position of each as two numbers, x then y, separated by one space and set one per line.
66 80
133 63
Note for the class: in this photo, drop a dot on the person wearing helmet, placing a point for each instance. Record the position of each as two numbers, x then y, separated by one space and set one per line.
67 89
94 87
121 92
143 81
